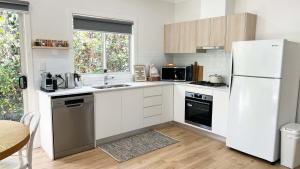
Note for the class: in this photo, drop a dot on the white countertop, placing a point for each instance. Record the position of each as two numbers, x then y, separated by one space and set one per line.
90 89
222 88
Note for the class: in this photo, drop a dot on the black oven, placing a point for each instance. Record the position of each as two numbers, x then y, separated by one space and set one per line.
198 109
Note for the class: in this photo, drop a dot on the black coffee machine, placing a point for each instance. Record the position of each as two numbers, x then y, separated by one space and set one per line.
48 82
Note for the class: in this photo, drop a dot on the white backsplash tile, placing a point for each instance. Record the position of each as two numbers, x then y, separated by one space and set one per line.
98 79
214 62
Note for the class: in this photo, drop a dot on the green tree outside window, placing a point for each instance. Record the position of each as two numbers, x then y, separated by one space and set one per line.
11 101
95 50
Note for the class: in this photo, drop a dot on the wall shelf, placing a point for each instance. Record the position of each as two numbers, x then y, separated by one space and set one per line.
55 48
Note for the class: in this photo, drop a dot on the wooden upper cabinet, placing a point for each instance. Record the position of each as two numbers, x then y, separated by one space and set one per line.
171 38
187 39
180 37
217 31
211 32
203 32
240 27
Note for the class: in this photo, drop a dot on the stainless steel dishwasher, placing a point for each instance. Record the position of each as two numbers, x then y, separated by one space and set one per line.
73 124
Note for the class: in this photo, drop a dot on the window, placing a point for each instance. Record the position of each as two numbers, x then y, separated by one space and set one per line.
95 51
101 44
12 59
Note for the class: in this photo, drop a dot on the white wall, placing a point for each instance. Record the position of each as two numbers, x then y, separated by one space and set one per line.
187 10
213 62
213 8
276 18
53 20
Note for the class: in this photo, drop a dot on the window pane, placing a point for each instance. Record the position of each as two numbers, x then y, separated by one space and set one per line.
11 99
117 52
88 52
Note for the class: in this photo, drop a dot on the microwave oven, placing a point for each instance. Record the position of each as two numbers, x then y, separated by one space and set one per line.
173 73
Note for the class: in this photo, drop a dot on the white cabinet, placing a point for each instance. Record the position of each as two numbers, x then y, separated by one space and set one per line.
158 105
152 111
108 114
179 103
167 106
132 116
220 106
152 101
122 111
153 91
220 112
46 132
118 112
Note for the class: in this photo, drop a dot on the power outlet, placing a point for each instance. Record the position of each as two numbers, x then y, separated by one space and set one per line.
43 67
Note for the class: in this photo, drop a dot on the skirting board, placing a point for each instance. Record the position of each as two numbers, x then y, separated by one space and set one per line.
131 133
201 132
139 131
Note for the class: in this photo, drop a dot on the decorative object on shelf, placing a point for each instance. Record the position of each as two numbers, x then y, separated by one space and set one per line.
153 73
50 44
140 73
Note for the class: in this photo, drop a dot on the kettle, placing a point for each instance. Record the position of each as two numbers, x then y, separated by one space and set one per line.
70 80
215 78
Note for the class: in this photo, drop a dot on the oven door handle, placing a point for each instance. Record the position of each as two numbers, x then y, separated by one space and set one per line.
197 101
189 105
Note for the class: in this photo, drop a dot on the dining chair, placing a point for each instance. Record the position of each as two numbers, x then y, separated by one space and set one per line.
20 161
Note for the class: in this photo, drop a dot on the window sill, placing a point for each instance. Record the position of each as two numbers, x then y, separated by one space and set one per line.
109 73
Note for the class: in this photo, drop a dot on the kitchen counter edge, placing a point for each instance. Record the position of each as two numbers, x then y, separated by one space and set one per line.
133 85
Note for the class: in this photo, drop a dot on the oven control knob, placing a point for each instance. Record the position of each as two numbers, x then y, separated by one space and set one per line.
199 96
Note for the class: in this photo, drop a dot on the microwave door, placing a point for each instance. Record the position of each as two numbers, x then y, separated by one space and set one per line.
179 74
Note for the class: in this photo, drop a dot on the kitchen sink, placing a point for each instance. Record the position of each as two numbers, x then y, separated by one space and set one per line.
111 86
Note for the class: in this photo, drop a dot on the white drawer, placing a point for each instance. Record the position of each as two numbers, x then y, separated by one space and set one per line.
152 111
152 101
152 91
150 121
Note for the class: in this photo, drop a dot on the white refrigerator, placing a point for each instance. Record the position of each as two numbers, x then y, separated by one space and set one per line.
263 95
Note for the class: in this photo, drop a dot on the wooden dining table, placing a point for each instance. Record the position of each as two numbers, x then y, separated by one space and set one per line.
13 136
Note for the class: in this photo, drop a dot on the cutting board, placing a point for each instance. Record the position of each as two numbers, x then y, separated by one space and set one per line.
199 73
195 68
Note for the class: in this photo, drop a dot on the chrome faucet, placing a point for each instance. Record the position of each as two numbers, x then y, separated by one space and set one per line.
107 77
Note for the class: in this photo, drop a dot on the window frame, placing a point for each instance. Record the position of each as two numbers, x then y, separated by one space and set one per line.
129 46
104 63
26 58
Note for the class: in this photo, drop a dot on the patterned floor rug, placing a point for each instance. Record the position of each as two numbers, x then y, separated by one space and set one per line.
137 145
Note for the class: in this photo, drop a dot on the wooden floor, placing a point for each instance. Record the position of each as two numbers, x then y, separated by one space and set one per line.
193 151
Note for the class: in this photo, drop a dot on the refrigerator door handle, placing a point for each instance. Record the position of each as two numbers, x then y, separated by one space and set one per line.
231 78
